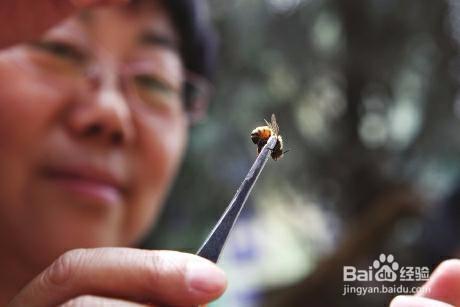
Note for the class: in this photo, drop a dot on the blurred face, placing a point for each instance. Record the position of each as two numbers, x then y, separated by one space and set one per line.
92 130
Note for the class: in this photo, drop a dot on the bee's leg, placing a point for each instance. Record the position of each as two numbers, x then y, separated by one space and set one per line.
261 143
259 148
270 149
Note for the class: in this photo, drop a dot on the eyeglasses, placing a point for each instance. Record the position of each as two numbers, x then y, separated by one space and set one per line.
151 84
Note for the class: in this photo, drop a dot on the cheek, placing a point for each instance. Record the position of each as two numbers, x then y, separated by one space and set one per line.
28 105
27 102
161 142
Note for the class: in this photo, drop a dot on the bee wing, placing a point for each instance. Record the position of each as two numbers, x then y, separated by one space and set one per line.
268 124
274 125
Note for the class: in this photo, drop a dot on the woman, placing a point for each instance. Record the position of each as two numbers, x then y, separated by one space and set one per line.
94 113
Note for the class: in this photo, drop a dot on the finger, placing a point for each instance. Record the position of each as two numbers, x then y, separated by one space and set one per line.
413 301
163 277
444 283
95 301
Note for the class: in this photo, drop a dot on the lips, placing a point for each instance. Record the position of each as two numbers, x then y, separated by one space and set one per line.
91 184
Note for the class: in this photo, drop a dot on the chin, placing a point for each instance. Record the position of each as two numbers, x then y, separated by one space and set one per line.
49 236
41 253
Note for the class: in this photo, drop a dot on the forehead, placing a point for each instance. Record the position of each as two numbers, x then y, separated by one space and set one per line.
141 23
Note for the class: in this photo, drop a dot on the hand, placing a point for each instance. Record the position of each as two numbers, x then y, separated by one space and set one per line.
124 277
441 290
25 20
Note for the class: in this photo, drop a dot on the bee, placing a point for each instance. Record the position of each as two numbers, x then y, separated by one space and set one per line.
261 134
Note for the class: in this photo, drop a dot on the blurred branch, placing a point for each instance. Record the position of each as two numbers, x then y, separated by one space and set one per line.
323 286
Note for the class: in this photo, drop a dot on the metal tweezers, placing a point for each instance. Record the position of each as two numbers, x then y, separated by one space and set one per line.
215 242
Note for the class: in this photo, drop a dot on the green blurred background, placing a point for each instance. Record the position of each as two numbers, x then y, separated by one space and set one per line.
365 95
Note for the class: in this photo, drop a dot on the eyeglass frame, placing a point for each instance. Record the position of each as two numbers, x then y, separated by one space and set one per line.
194 93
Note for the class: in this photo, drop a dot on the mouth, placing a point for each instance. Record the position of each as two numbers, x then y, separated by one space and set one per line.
89 184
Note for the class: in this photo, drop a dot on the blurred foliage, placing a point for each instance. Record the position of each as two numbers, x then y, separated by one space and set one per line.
365 95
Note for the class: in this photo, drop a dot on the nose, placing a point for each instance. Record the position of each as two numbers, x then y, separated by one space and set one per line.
102 116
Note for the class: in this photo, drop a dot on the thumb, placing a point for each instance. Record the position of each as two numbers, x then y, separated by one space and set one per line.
413 301
160 277
444 283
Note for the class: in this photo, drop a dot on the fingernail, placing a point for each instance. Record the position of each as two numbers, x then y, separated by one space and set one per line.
204 276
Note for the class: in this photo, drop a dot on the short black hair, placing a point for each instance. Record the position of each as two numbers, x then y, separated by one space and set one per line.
198 39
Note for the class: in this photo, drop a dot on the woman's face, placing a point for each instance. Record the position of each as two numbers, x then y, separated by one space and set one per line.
91 131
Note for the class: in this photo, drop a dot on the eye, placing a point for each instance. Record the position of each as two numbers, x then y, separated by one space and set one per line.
154 91
62 50
153 84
